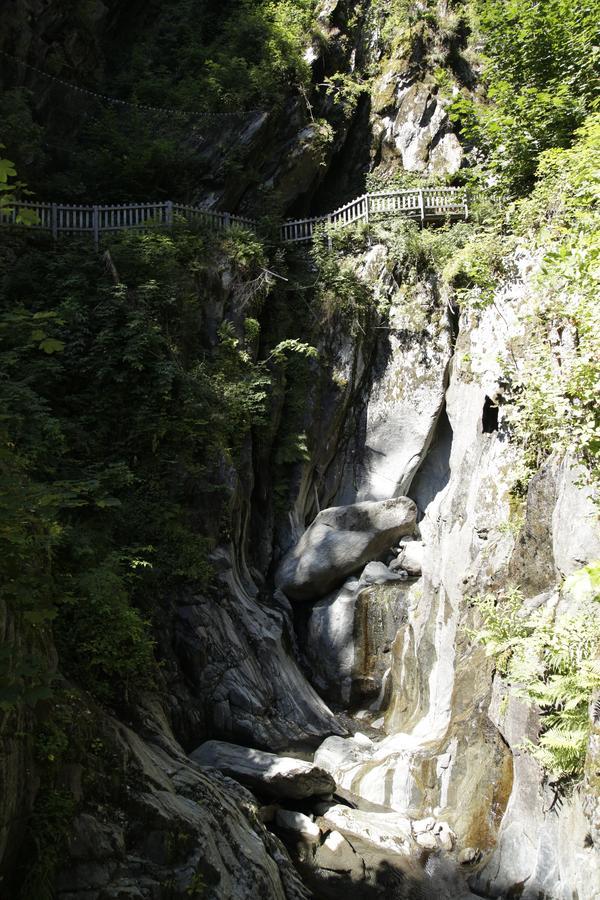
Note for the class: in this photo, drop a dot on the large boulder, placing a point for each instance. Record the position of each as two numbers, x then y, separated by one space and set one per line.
340 541
265 773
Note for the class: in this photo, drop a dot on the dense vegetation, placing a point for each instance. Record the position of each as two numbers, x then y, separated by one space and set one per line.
540 72
126 409
115 416
553 660
191 76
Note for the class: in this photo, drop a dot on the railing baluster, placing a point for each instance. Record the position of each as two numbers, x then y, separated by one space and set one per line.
426 203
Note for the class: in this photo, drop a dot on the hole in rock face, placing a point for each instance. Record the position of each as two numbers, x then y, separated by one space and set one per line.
489 419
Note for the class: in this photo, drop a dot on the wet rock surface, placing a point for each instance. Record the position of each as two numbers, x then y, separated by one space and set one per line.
348 637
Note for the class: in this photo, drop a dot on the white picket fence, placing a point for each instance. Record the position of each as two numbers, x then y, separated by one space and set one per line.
422 204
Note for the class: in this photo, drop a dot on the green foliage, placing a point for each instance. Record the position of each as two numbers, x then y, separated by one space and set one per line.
346 89
116 416
8 190
504 625
197 886
477 266
540 76
341 295
400 24
207 55
557 380
197 58
49 830
23 678
100 657
552 660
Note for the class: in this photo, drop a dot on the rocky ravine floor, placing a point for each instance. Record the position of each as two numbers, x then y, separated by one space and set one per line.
341 845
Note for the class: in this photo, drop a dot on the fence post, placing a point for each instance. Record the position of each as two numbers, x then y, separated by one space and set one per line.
329 238
367 219
96 226
169 213
422 206
54 221
226 220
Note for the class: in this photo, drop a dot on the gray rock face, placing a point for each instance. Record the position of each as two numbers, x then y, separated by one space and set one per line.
265 773
418 131
551 855
179 827
575 525
246 685
445 754
339 542
406 390
349 636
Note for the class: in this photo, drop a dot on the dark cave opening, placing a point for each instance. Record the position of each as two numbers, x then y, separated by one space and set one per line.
489 418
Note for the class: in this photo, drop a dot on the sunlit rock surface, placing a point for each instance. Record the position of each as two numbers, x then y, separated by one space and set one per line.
265 773
339 542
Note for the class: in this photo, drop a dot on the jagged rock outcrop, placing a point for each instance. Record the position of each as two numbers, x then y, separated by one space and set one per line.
265 773
339 542
411 124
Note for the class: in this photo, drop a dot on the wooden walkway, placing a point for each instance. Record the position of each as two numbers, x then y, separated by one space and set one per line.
424 205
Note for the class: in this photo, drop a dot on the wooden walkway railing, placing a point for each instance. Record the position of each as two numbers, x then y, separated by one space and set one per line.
422 204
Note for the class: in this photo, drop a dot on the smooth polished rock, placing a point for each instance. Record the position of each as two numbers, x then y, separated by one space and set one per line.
265 773
387 830
339 542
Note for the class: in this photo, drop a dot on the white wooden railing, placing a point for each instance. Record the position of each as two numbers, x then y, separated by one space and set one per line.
422 204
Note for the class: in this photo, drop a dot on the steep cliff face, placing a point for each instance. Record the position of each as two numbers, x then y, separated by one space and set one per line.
454 744
374 666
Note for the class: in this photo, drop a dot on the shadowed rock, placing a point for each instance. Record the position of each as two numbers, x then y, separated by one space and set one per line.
340 541
265 773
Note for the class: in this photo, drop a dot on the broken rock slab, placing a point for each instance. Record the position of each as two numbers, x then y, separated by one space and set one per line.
265 773
390 831
340 541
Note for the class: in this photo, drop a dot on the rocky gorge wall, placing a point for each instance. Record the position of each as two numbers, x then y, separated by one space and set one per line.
451 744
374 671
